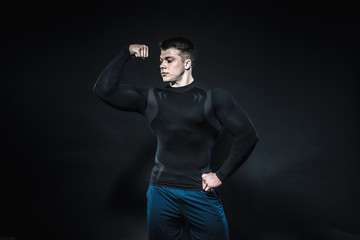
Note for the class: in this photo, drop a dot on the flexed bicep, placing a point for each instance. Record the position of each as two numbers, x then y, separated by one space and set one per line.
109 86
127 98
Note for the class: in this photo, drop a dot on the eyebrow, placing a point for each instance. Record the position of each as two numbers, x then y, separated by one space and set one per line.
168 58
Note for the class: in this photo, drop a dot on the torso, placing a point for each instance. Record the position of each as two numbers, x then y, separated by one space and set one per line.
186 129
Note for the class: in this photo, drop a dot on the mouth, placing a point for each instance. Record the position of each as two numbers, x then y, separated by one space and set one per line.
164 74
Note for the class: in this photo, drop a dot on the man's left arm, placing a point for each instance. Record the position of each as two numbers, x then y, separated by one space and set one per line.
234 119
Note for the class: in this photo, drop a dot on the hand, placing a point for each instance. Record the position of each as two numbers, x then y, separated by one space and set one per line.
210 181
139 50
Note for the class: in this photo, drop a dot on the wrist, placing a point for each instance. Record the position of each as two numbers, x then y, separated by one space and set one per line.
220 176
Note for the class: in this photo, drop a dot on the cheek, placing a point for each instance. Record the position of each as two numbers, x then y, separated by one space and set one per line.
178 68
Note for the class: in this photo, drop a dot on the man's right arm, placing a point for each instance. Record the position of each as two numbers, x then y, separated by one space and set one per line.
109 86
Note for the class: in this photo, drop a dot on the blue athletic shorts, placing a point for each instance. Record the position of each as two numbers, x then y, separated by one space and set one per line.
168 209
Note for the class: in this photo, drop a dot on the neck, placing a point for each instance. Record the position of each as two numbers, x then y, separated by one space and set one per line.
184 81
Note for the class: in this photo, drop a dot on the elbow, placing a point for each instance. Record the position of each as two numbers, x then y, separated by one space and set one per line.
255 137
96 89
247 133
251 136
100 88
100 91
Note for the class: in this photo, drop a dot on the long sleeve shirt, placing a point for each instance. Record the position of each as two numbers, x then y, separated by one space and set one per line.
186 122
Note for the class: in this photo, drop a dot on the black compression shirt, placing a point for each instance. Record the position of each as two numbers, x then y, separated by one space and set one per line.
186 121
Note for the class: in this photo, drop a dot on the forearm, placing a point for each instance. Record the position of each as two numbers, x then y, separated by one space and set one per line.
243 144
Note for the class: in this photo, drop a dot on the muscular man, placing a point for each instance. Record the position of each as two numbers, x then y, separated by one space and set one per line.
186 119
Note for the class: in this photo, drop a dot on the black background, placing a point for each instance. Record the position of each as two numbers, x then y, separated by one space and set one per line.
74 168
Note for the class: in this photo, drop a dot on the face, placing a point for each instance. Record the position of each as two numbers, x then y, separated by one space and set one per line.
172 67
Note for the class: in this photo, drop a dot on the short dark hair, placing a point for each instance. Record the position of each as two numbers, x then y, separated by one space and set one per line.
186 47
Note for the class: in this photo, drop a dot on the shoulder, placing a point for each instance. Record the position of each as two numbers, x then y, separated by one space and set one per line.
221 95
220 91
215 91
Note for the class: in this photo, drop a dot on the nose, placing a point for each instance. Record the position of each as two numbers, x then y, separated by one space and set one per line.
162 65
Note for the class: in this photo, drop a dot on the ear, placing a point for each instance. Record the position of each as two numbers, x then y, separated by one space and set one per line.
187 63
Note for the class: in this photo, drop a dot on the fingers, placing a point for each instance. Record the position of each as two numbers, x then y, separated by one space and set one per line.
139 50
205 184
210 181
146 51
142 51
205 187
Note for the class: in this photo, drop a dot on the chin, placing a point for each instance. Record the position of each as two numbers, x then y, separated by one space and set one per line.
167 80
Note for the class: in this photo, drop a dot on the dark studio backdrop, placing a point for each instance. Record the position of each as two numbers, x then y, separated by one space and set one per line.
74 168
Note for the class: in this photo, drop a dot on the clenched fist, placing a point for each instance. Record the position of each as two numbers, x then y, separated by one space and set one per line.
139 50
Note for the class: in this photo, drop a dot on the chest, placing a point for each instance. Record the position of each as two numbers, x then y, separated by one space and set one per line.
179 113
186 107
